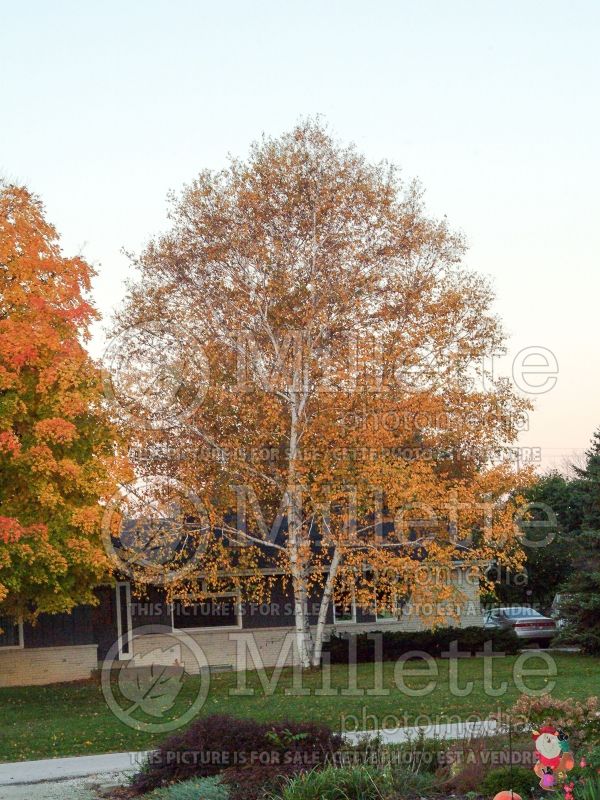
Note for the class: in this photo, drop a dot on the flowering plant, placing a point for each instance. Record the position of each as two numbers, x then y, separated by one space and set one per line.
580 718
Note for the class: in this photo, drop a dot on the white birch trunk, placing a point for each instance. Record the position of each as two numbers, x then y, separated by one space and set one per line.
302 623
325 601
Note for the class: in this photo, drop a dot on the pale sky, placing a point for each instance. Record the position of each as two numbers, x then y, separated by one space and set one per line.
493 105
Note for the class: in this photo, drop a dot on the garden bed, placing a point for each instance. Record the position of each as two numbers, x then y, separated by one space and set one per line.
222 758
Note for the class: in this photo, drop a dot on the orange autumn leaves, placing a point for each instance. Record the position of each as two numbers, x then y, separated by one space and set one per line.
341 335
56 449
345 340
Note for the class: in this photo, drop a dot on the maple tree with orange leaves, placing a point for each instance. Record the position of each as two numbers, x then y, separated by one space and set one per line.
57 450
343 345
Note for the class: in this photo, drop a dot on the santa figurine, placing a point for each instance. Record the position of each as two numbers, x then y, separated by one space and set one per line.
547 746
549 753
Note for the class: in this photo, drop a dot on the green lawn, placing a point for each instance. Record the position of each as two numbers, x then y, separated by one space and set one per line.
73 719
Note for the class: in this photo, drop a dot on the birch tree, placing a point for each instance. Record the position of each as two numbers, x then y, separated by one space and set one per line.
342 345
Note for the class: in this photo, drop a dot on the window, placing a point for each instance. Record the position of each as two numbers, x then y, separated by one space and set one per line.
385 613
11 633
519 613
344 610
217 612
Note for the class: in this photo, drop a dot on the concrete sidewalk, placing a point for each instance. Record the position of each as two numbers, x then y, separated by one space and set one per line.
452 730
114 767
104 766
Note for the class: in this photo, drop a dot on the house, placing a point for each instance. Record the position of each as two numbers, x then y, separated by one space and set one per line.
69 647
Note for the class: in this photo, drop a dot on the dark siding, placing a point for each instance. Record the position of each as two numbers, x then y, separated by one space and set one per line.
276 611
9 635
60 630
98 624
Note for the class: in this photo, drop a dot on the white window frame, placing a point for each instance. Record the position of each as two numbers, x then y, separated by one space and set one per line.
213 628
21 644
346 621
124 656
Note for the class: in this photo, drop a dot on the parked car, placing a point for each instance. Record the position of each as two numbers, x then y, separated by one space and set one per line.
527 623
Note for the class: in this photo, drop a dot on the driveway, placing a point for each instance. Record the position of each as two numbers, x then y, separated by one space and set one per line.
77 789
78 778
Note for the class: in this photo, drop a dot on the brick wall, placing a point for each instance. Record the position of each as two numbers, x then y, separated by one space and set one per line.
41 665
225 649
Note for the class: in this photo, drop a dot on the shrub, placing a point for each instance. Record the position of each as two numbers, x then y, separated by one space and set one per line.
340 783
592 757
469 760
416 755
206 748
204 788
467 777
246 753
580 720
591 770
433 642
419 754
520 780
408 783
286 750
465 764
254 781
364 782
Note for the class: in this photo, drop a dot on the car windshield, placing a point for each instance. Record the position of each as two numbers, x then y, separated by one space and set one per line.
513 613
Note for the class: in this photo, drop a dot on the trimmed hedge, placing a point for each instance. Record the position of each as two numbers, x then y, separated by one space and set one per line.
433 642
